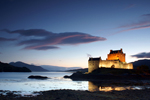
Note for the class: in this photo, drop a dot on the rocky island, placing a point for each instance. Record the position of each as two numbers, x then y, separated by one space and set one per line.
37 77
112 74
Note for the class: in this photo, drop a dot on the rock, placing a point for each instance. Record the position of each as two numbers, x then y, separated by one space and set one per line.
66 76
37 77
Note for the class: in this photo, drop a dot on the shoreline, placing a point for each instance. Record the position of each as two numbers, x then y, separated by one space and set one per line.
81 95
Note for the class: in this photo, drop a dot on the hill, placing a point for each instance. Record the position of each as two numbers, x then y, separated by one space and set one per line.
58 68
83 70
135 65
31 67
141 62
4 67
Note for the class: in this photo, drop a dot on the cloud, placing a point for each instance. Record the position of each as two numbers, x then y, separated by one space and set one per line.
134 28
142 55
30 32
130 6
50 39
144 23
6 39
146 15
44 48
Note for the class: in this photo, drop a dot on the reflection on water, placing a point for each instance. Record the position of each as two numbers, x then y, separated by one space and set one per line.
97 86
113 88
19 82
93 87
14 81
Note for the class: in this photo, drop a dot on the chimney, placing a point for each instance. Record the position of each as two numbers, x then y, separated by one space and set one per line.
110 50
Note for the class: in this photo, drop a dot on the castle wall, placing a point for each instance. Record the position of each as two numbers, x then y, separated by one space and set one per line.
116 56
128 66
117 64
110 63
93 65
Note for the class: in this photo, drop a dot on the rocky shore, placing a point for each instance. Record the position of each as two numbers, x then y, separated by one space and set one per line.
81 95
108 76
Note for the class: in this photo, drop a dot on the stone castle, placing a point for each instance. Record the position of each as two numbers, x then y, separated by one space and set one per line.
115 59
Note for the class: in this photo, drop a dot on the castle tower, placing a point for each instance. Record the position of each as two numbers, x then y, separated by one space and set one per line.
93 64
116 55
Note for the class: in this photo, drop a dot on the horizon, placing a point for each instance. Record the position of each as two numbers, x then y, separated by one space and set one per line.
66 33
62 66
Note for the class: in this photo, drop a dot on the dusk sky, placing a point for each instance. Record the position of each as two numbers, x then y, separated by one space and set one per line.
67 32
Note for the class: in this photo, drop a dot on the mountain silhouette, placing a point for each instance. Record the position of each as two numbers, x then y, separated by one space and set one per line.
58 68
31 67
4 67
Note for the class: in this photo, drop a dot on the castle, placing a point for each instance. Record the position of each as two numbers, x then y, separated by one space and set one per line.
115 59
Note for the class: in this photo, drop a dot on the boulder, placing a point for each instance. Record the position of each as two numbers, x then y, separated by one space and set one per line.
37 77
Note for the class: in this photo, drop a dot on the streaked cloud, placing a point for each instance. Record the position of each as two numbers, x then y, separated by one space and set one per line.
2 39
142 55
146 15
134 28
130 6
144 23
50 39
30 32
44 47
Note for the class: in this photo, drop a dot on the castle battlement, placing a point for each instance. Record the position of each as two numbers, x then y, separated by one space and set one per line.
116 55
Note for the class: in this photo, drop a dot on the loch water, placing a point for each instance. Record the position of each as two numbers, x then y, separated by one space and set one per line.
18 81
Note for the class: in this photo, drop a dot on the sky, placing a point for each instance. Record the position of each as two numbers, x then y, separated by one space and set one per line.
67 32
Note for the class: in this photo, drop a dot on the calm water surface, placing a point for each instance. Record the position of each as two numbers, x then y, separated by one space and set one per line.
18 81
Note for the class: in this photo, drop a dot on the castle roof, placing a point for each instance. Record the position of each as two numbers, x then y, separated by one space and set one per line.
94 59
115 51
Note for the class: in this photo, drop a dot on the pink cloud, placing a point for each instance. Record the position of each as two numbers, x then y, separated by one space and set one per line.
134 28
143 24
49 40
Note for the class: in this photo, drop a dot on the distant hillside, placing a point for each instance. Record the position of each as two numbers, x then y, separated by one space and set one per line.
4 67
80 70
58 68
141 62
31 67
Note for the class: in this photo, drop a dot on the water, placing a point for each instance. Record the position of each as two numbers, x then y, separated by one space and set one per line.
18 81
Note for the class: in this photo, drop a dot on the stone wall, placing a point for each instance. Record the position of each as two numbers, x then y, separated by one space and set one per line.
93 65
128 66
110 63
116 64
